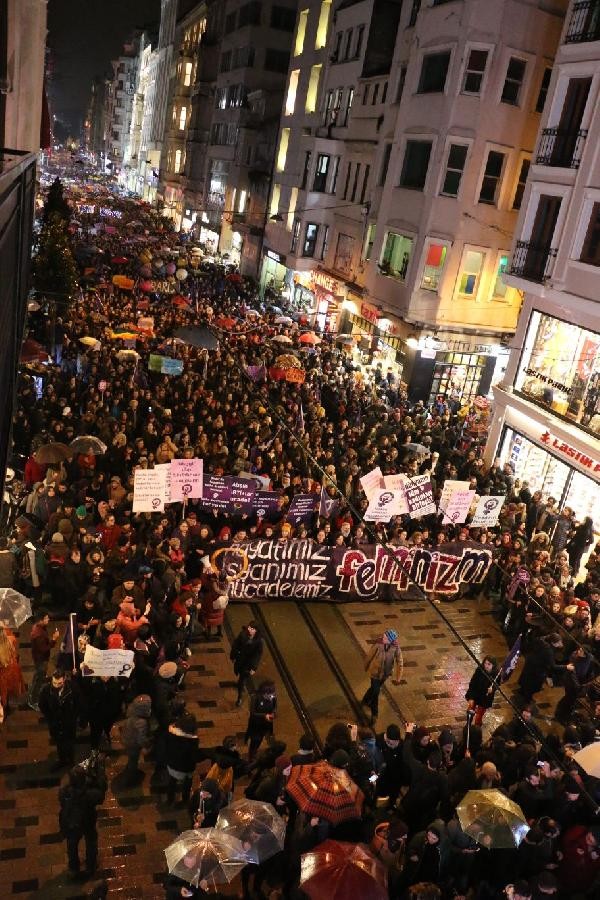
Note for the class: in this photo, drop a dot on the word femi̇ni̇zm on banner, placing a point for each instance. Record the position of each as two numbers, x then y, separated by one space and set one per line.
303 569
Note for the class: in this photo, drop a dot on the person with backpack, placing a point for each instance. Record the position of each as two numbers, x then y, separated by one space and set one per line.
385 660
246 653
136 736
181 755
85 790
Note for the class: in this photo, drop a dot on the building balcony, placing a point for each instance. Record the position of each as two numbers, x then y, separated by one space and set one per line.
532 262
561 147
584 24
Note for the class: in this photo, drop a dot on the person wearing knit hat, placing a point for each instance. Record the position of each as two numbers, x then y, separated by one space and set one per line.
385 660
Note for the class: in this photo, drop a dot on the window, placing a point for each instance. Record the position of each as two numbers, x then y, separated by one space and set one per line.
347 182
243 57
328 108
321 170
474 72
277 60
369 241
365 98
416 163
337 50
360 33
385 163
457 157
325 243
182 118
283 148
307 159
401 83
395 255
225 64
242 201
590 252
375 98
335 167
347 43
313 88
295 236
355 182
347 107
301 32
523 173
490 186
275 198
416 6
513 82
470 272
344 252
500 290
177 166
283 18
322 27
363 191
292 208
187 74
290 100
249 14
230 22
541 100
433 72
220 98
384 91
310 239
434 265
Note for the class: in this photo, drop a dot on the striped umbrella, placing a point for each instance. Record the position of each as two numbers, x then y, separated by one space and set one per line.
324 791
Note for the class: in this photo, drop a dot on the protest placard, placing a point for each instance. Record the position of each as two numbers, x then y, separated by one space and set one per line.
302 508
384 504
166 468
450 486
149 490
396 483
242 493
107 663
487 512
372 481
186 478
458 507
419 495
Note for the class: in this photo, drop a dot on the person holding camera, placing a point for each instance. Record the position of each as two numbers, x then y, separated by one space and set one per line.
84 791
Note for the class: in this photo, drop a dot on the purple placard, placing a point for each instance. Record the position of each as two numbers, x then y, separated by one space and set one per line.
302 508
265 502
242 492
216 493
419 496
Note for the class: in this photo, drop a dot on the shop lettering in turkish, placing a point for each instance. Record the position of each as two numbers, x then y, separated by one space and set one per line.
572 452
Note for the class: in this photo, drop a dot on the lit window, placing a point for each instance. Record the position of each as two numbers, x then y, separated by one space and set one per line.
501 291
313 88
434 265
182 118
177 161
283 149
187 78
295 235
369 240
290 100
395 256
275 195
292 208
468 280
242 201
323 25
310 239
301 32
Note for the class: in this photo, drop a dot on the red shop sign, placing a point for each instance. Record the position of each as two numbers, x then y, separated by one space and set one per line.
571 452
370 314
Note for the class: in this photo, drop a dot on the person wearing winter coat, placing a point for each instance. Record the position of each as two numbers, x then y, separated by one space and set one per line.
580 863
182 754
428 855
103 702
428 785
129 622
540 664
263 706
480 692
246 654
136 736
206 803
393 774
60 704
78 800
385 660
212 611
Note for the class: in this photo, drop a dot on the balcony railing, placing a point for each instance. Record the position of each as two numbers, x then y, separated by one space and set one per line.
561 147
533 262
585 22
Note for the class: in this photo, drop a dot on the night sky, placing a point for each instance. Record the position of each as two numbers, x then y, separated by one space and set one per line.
83 36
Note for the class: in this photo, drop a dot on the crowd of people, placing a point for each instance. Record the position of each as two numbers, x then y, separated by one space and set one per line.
146 581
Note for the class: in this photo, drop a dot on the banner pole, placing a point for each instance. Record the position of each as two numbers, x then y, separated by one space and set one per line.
71 625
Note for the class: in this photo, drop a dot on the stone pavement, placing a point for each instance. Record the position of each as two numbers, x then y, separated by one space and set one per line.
135 825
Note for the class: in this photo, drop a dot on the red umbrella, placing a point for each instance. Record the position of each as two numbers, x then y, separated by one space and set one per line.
180 302
338 871
309 338
324 791
119 260
32 352
225 322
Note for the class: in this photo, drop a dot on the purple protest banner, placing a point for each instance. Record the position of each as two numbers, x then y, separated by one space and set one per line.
265 502
302 508
242 492
328 505
521 577
216 493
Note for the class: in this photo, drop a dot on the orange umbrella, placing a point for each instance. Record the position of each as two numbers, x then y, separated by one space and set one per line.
309 338
225 322
336 870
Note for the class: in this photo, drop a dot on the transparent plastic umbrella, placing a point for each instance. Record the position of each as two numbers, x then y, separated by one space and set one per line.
88 443
257 825
492 819
208 855
15 608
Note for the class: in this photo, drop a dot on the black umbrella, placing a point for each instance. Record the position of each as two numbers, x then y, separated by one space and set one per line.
197 337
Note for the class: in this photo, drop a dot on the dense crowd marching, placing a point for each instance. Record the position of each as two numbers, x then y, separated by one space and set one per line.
146 582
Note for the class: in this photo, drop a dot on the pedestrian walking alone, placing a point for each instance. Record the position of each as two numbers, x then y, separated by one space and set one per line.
78 799
246 653
481 690
60 704
385 660
263 706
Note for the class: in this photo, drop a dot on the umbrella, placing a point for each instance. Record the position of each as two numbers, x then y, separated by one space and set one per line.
309 338
283 320
335 870
50 454
207 854
32 352
288 361
180 302
88 443
89 341
14 608
417 450
197 337
260 829
491 819
282 339
127 355
589 759
119 260
225 322
272 308
324 791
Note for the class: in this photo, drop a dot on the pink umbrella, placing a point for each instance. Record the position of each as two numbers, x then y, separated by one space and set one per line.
171 268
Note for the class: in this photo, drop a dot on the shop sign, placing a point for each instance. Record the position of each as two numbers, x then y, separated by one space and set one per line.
532 373
567 450
325 281
276 257
371 315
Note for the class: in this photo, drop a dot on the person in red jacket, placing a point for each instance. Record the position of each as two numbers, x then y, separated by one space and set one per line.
41 644
34 472
580 864
109 533
129 622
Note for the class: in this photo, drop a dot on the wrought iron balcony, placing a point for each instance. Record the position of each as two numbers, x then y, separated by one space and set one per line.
532 261
585 22
561 147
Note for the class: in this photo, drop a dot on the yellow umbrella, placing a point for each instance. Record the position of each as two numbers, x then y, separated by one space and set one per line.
89 341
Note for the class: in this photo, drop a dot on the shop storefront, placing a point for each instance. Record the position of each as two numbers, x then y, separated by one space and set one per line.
273 273
559 370
454 369
377 338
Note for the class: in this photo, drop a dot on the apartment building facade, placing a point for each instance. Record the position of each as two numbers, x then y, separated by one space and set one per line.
548 405
432 110
22 61
119 104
